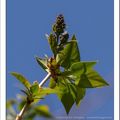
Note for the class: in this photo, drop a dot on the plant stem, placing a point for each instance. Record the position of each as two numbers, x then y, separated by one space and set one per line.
20 115
44 80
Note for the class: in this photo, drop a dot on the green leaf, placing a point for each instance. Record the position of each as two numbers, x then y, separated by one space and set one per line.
80 67
77 69
80 95
53 43
43 110
69 55
22 79
91 79
47 91
42 63
67 96
35 90
38 93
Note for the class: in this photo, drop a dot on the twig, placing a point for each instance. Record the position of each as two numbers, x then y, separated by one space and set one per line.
44 80
20 115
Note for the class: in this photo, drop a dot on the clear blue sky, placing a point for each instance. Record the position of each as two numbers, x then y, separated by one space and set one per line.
91 21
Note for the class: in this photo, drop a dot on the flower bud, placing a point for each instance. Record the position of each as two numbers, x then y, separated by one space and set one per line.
59 25
64 37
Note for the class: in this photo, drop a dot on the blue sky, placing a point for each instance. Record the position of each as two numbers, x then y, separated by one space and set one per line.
91 20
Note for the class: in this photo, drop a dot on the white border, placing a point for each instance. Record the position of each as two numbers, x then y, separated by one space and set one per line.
116 59
3 60
0 55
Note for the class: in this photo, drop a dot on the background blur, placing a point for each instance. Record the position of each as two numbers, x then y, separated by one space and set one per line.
93 23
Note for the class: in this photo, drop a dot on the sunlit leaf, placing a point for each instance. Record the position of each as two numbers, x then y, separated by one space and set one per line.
77 69
80 67
22 79
47 91
84 75
91 79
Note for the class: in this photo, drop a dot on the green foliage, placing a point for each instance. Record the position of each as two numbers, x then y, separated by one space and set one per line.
77 69
68 96
69 76
36 93
80 94
91 79
69 93
84 75
22 79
